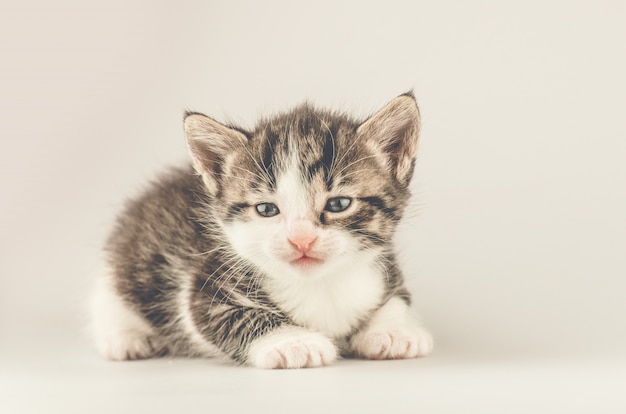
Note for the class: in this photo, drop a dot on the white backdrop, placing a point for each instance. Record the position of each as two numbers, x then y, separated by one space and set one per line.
516 245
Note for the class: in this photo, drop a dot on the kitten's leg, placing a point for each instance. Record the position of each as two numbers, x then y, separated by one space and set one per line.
259 337
392 333
119 332
292 347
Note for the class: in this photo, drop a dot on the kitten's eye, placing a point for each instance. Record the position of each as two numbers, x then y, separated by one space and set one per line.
267 209
337 204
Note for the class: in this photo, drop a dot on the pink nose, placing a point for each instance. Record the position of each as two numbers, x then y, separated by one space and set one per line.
303 242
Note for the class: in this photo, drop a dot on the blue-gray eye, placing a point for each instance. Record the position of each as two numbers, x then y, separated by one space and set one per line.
337 204
267 209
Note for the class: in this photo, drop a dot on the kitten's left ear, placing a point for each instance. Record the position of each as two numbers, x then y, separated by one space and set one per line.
393 133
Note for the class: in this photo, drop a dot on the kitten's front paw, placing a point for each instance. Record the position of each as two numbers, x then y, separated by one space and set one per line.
292 348
398 343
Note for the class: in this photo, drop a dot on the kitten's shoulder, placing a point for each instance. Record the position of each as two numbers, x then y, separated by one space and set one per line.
173 187
177 178
170 201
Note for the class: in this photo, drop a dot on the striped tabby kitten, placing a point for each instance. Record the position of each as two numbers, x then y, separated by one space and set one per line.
274 250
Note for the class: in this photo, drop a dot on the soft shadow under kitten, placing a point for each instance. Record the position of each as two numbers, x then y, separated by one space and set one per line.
274 249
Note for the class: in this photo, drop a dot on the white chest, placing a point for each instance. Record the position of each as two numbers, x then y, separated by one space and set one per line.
333 304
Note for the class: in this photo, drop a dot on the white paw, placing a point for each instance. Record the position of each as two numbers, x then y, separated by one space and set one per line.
128 345
119 332
395 343
292 348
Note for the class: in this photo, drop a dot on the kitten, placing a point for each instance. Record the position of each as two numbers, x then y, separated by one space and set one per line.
274 249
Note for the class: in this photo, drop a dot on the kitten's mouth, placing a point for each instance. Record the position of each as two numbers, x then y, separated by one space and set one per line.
306 261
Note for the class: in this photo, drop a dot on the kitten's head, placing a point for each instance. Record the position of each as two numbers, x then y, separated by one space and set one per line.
308 192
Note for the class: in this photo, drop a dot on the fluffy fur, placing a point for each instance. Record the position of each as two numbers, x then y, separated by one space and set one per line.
274 249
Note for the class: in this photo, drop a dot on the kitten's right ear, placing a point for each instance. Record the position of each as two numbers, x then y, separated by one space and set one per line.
392 133
209 142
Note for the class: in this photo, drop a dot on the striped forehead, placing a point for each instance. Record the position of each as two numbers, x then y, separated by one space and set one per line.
305 134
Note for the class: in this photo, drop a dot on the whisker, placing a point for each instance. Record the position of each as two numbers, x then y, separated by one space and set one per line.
227 276
354 162
249 180
208 252
265 173
260 177
226 262
347 151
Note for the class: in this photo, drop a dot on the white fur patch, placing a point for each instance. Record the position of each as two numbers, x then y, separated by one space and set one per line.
332 303
119 332
393 333
292 347
291 194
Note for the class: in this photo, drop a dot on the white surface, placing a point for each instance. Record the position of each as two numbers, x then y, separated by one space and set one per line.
78 382
517 257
